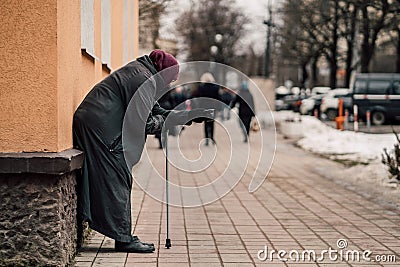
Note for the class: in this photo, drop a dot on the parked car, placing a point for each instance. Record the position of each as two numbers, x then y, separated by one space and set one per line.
308 105
378 93
320 90
281 105
330 103
280 93
294 101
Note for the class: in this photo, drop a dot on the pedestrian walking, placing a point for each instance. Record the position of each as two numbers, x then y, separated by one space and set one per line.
104 189
208 89
244 99
226 98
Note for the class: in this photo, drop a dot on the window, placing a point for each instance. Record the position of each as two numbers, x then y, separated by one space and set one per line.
87 26
106 32
340 96
378 87
396 87
360 87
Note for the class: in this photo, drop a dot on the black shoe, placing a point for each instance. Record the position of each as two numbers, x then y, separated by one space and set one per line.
133 247
136 238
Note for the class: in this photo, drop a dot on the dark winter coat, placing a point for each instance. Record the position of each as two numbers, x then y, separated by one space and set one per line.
104 188
209 90
246 103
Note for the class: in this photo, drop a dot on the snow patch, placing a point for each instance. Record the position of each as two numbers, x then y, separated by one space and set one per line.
365 174
343 145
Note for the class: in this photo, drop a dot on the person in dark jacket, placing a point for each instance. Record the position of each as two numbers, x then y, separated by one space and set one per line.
244 100
104 190
208 89
226 98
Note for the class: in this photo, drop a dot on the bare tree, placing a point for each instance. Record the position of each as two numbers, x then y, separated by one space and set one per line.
398 49
374 17
150 12
330 18
206 19
302 39
314 28
394 30
349 12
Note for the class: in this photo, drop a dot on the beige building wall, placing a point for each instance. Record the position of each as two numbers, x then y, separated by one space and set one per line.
44 74
28 75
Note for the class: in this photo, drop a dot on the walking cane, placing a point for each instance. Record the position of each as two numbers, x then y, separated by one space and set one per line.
167 241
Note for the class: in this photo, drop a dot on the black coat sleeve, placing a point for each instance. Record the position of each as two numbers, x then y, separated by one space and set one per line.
158 110
154 124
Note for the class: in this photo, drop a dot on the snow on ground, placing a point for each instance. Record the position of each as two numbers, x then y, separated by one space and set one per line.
341 145
363 153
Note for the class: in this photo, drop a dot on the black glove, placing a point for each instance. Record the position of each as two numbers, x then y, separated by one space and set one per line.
154 124
185 117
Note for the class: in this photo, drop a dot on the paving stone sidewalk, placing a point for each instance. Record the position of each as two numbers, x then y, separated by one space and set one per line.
295 210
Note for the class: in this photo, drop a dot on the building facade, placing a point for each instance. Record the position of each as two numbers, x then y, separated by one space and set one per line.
53 52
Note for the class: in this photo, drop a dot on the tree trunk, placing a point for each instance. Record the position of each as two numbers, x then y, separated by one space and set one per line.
398 52
365 48
314 72
350 46
155 27
305 75
371 34
332 74
333 56
349 62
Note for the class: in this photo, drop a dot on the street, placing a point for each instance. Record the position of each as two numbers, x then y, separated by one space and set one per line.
295 210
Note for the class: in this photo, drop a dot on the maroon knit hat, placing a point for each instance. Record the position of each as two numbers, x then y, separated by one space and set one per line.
166 63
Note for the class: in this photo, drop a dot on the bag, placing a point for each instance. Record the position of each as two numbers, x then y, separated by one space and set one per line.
254 125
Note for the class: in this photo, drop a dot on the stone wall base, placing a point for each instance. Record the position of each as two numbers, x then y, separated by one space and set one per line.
38 224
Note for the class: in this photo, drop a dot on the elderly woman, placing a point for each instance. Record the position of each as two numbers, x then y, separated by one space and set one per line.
104 190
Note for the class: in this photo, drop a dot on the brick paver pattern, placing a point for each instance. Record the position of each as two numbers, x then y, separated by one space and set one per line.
294 209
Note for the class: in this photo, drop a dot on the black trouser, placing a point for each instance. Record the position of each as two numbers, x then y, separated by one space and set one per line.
209 129
246 120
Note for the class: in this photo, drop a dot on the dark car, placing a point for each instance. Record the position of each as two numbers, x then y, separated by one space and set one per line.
294 101
378 93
